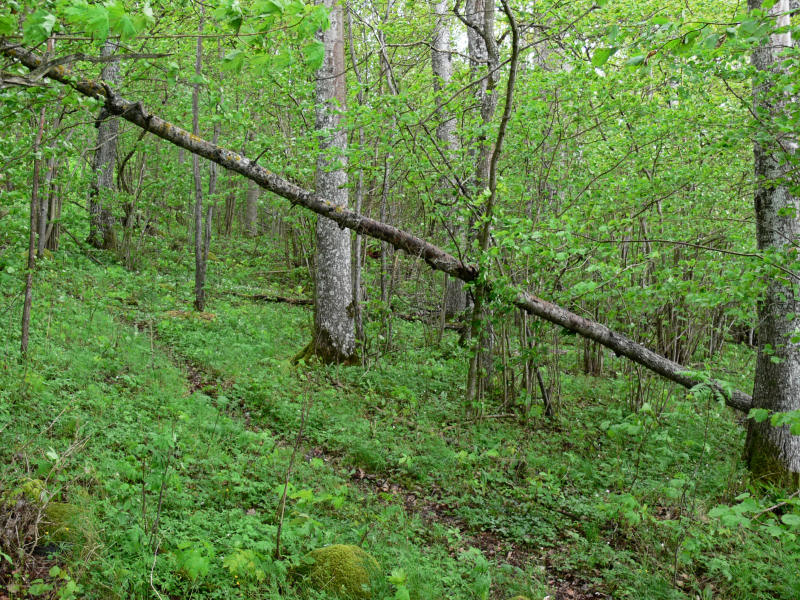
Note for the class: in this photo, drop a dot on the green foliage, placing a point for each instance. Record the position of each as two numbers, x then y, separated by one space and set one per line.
624 194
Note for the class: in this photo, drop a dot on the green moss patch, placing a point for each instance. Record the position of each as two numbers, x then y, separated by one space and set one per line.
344 570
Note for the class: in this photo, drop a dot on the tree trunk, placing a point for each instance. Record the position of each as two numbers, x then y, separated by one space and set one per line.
44 205
455 298
358 316
48 227
199 252
230 206
101 220
772 453
26 305
251 210
53 232
334 327
483 53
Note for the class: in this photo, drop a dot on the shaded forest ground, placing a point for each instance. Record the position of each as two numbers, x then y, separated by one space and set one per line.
173 431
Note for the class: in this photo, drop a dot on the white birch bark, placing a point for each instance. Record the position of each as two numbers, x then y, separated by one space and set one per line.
773 454
334 327
455 299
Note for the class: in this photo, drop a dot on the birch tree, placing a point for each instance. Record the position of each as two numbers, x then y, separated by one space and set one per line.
334 327
773 453
455 300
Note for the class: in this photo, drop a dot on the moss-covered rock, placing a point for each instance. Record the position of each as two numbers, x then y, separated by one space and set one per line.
344 570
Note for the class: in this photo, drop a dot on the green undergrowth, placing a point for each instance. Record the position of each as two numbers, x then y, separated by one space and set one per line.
187 485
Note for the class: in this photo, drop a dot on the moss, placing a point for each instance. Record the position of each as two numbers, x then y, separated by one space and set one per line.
70 521
33 490
344 570
765 466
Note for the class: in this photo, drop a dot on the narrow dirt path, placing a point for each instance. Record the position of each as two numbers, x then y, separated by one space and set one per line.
567 585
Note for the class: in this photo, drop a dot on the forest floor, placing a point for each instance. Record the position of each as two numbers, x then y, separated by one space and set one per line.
169 434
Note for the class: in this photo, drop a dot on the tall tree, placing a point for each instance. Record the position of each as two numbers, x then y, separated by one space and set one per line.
455 300
201 241
334 326
484 58
773 453
101 220
34 209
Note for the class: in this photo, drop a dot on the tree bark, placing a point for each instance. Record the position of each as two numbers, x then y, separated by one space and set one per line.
434 256
358 316
483 50
101 220
772 453
26 305
251 210
200 252
455 298
483 54
334 327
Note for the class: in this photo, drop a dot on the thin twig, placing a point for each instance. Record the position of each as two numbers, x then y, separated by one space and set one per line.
152 568
776 506
282 504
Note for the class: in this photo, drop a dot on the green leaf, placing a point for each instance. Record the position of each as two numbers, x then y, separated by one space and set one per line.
283 59
96 22
791 520
38 27
38 588
759 415
711 41
121 22
8 24
230 12
635 61
601 56
233 61
313 54
749 26
269 7
318 18
398 576
718 511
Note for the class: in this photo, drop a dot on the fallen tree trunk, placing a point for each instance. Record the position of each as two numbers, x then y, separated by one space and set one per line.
436 258
276 299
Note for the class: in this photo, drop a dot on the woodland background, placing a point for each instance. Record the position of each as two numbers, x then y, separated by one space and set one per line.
210 382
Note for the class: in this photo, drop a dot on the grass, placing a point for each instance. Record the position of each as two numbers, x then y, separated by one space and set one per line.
175 431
